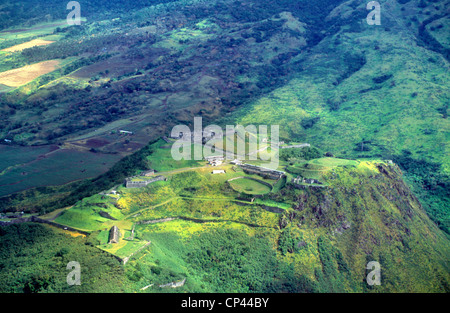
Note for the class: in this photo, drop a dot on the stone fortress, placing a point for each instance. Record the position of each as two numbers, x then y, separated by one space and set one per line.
130 182
262 171
114 235
195 136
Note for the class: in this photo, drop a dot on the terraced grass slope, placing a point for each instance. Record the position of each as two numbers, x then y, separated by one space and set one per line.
320 241
249 186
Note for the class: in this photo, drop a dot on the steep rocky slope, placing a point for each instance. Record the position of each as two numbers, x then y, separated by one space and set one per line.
370 214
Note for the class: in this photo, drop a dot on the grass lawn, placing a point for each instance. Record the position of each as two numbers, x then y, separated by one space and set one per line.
162 161
85 215
318 167
333 162
249 186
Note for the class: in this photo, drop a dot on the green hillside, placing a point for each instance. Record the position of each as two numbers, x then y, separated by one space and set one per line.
371 91
367 213
317 240
93 106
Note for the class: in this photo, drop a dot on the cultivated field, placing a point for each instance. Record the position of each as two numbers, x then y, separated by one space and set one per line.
22 168
21 76
29 44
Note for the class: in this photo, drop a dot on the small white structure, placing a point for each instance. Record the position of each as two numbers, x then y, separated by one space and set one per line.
236 162
218 172
216 163
215 160
125 132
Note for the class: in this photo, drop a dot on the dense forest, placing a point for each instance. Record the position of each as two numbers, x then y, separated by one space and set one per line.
26 13
38 255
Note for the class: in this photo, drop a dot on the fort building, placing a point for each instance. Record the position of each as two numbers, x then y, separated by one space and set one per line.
303 145
148 173
300 182
196 136
236 162
114 235
215 160
262 171
129 183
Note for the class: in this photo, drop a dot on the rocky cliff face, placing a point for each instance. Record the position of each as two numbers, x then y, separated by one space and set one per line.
367 214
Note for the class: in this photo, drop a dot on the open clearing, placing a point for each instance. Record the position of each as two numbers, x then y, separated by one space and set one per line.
29 44
249 186
317 167
24 75
333 162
